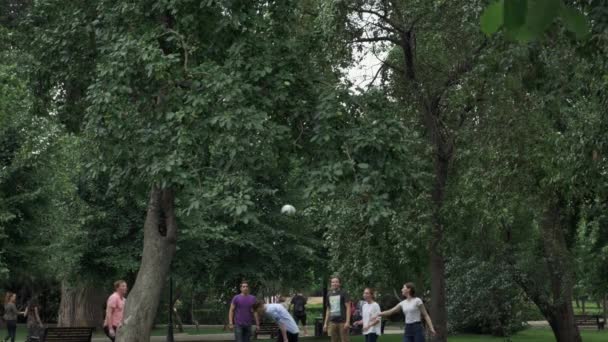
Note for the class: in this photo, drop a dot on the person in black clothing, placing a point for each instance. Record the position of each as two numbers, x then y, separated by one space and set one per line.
299 310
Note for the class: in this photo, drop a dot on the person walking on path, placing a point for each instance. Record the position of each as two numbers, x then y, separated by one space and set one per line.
115 308
34 324
10 315
298 302
414 310
279 314
337 316
241 315
370 320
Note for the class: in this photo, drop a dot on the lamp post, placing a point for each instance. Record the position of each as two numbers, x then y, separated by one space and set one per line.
170 325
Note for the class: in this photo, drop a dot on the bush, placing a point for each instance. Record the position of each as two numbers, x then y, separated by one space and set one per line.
482 298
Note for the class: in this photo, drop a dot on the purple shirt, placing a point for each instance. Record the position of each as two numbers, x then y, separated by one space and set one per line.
243 314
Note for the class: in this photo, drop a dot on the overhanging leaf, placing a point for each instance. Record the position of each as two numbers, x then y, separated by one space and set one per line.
515 13
492 17
541 14
575 21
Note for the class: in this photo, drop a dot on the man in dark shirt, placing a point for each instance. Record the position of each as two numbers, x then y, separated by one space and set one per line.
337 317
298 302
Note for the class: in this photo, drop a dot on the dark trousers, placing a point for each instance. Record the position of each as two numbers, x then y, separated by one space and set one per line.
414 332
300 318
242 333
107 331
290 337
11 327
371 337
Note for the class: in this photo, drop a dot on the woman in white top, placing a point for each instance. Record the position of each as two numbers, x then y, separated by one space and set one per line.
413 310
370 320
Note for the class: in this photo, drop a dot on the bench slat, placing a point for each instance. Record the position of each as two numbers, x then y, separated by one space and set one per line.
75 334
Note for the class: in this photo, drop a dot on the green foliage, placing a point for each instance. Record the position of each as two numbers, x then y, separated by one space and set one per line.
483 298
526 20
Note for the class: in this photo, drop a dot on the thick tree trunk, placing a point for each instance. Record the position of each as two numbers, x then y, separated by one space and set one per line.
442 143
559 311
438 307
160 237
81 306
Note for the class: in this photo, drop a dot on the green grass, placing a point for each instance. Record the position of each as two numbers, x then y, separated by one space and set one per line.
530 335
590 308
22 332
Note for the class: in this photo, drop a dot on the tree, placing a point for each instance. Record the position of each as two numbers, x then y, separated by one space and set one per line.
173 104
405 30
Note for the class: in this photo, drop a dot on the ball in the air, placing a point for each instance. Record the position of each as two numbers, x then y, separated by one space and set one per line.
288 209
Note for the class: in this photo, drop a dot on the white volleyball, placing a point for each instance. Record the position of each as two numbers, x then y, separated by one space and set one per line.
288 209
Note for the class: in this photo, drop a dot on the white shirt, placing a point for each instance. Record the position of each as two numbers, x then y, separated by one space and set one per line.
411 309
280 315
369 311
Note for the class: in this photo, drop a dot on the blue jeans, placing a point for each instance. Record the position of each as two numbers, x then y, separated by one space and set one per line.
414 332
371 337
242 333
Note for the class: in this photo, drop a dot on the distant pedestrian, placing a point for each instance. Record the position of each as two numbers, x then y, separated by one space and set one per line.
287 326
34 324
10 315
115 308
298 307
241 315
370 320
337 316
414 311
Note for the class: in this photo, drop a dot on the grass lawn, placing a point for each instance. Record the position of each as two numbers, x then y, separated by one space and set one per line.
22 332
530 335
591 308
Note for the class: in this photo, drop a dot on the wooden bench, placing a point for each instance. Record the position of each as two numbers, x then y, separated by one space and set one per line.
590 321
76 334
267 328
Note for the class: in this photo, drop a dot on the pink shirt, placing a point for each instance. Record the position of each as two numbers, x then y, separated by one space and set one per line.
117 304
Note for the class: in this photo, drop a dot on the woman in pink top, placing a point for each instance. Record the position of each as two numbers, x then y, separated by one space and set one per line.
114 309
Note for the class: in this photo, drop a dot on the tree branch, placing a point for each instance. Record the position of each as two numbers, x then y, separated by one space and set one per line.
377 40
384 17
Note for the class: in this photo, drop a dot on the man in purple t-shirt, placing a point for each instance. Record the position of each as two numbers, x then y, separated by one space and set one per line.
241 315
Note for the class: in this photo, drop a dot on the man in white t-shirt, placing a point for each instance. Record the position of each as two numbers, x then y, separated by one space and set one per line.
370 319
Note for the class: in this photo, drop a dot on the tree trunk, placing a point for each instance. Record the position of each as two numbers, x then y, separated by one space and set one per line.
81 306
443 146
559 312
438 307
605 307
578 305
160 237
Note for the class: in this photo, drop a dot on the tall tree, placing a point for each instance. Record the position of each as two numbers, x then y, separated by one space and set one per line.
399 33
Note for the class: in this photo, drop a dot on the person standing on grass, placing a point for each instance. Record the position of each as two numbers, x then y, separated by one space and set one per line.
10 315
34 324
370 321
279 314
115 308
241 315
299 310
414 310
337 316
